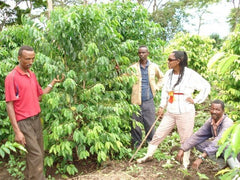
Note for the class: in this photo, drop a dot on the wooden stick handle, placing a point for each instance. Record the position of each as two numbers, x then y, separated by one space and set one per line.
139 147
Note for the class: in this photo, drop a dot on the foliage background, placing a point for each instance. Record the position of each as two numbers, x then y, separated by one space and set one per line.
89 114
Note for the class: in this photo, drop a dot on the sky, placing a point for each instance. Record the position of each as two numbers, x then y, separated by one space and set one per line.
214 22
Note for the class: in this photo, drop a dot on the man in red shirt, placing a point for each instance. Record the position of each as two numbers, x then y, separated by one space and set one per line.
23 93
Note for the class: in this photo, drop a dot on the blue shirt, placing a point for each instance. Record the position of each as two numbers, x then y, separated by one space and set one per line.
146 89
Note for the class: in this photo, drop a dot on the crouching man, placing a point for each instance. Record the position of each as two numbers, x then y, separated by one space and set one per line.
206 138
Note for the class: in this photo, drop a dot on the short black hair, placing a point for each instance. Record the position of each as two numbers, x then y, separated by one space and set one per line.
217 101
143 46
22 48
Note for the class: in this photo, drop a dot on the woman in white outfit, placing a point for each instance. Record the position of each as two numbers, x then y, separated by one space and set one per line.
179 84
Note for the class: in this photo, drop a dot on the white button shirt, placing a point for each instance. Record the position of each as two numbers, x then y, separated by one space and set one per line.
190 82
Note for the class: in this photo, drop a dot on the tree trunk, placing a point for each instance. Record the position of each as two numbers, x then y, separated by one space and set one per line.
237 14
50 7
154 5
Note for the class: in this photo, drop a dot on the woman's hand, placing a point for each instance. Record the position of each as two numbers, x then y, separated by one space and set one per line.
179 156
160 112
190 100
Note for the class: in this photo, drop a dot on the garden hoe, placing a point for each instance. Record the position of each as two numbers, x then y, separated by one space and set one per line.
139 147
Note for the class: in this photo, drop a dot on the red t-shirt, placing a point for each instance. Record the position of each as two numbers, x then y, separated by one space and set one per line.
24 91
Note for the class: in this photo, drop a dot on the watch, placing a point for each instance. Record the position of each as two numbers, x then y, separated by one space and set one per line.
201 157
50 85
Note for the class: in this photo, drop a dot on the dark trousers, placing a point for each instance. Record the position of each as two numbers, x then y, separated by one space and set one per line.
146 117
32 130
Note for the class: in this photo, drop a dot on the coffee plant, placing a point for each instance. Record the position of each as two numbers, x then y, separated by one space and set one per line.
89 114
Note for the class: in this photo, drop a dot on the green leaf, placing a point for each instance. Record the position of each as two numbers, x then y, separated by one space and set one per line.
235 139
4 148
48 161
19 146
101 156
2 153
202 176
10 146
98 146
119 144
221 148
223 171
71 169
227 152
226 135
108 145
83 154
167 164
225 63
215 59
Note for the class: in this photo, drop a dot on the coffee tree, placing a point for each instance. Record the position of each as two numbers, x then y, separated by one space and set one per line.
199 50
89 114
225 64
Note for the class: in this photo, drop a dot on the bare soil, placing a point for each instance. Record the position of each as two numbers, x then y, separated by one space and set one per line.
122 170
152 170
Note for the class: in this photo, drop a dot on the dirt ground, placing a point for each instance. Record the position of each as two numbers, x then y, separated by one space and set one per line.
121 170
153 170
148 171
